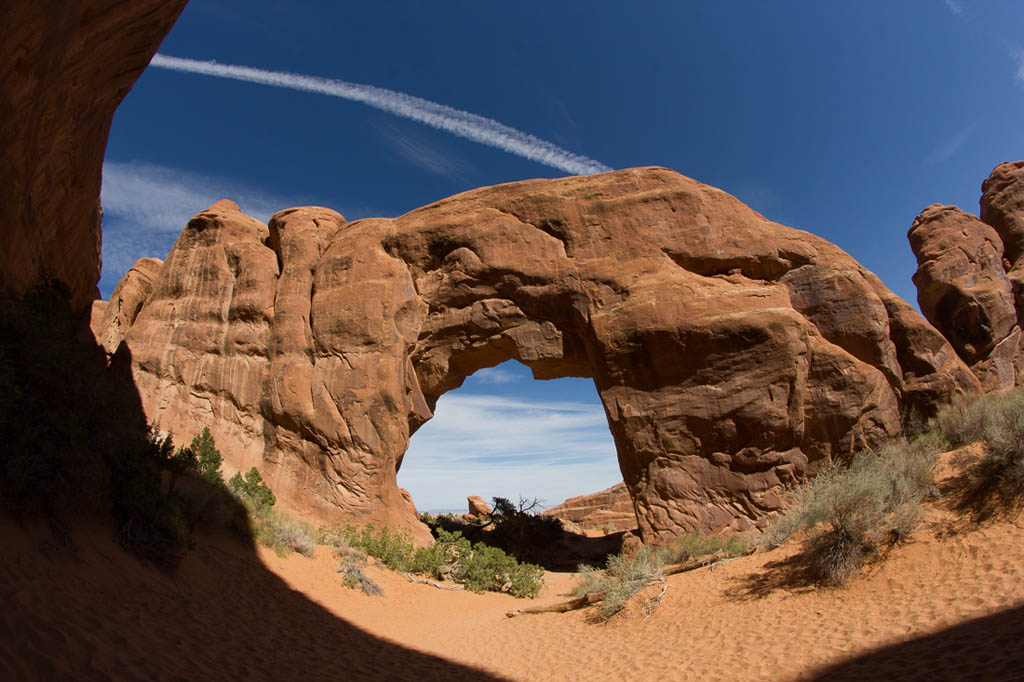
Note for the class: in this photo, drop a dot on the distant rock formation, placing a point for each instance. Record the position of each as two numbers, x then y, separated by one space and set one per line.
970 277
734 357
608 508
65 65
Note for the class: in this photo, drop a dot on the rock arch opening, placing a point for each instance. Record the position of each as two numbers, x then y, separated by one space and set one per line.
504 434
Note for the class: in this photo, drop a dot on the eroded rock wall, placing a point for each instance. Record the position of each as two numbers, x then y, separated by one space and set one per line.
970 277
734 357
65 65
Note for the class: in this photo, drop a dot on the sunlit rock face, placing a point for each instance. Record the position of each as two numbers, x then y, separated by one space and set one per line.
734 356
65 65
970 276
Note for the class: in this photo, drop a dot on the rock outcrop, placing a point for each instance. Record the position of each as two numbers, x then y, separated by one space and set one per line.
970 277
734 356
65 65
608 508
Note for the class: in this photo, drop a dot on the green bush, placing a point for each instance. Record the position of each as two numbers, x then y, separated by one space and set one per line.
852 512
253 487
994 483
391 548
451 557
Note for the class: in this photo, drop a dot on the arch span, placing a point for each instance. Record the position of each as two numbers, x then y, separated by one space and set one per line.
733 356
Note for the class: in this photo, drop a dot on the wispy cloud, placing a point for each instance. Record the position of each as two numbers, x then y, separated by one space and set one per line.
418 151
492 445
145 207
496 375
948 147
1017 55
462 123
955 6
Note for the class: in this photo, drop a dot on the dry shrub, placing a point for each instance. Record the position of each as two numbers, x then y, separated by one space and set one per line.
852 512
621 579
994 483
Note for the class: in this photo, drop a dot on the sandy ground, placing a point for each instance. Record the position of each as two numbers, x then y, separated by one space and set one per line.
945 606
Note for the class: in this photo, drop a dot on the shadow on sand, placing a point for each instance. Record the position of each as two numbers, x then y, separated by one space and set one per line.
986 648
77 605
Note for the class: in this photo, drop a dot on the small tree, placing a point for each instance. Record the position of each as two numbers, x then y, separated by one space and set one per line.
207 457
254 487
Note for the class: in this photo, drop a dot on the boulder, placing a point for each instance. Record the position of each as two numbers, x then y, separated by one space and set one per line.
734 357
477 506
970 273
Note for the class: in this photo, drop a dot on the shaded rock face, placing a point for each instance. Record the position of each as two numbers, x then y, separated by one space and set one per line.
611 507
970 276
64 67
734 357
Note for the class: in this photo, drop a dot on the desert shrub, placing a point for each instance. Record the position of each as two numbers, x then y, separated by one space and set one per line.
490 569
253 487
352 563
478 566
281 532
621 579
392 548
993 483
851 512
607 528
693 545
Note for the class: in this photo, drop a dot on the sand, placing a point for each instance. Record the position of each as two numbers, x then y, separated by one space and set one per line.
945 606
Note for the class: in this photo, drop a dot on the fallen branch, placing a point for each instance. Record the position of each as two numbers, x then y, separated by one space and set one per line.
571 605
654 602
433 583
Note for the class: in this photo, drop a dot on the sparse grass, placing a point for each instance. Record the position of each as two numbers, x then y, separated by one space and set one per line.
994 483
607 528
693 545
853 512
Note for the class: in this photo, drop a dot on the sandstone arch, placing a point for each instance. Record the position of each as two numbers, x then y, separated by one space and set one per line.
733 356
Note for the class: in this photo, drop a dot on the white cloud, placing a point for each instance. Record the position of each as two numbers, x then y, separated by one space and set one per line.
1017 54
418 151
955 6
455 121
950 146
491 445
496 375
145 207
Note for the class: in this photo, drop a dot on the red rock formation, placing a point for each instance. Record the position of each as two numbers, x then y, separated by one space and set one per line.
609 507
64 66
970 274
734 356
478 507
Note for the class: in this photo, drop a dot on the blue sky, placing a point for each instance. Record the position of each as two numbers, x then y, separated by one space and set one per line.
843 119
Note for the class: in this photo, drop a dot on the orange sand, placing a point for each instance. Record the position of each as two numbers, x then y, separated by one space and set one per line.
950 608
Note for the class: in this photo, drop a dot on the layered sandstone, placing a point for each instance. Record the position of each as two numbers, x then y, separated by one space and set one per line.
970 277
734 356
611 508
64 68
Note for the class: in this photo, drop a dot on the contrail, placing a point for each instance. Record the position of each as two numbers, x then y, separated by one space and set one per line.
462 123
